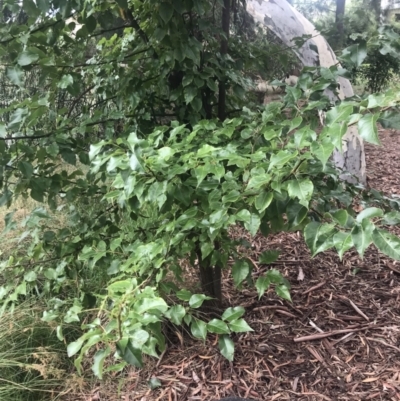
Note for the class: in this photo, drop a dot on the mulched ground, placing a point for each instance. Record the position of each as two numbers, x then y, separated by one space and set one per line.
338 340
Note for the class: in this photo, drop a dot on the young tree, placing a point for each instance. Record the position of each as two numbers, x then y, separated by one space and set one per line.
166 152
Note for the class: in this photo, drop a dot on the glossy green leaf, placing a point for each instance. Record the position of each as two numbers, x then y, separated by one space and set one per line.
319 237
196 300
74 347
262 284
98 361
343 242
263 200
369 213
198 329
240 326
227 347
166 11
253 224
302 189
240 271
368 129
268 257
387 243
233 313
283 291
361 236
217 326
132 355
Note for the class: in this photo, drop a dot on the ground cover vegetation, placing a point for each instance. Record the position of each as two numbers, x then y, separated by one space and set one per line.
138 121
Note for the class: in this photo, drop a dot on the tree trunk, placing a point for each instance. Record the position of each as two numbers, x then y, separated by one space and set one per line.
340 6
226 14
210 277
287 23
377 7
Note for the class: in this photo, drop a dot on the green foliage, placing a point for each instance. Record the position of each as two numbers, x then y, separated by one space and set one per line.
120 131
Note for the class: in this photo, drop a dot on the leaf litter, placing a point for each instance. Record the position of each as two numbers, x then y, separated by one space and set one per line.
338 340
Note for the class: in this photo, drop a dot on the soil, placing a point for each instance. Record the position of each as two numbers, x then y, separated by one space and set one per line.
338 340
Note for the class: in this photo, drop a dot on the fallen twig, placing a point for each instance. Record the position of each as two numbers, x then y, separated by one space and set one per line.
355 307
314 288
331 333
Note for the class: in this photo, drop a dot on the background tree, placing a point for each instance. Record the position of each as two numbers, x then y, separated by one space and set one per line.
339 20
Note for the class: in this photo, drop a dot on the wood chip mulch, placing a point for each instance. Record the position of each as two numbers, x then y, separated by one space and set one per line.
338 340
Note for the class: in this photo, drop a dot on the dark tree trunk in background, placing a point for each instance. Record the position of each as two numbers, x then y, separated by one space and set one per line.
376 6
210 277
226 13
340 7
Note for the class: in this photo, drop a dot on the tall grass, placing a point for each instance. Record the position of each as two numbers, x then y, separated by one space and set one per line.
33 362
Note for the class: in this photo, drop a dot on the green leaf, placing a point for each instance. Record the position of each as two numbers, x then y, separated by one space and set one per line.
234 313
206 249
323 150
184 295
258 181
253 224
268 257
369 213
198 329
390 119
66 80
227 347
361 236
132 355
343 242
338 114
283 291
334 134
391 218
355 54
281 158
139 338
367 128
74 347
118 286
27 57
296 214
319 237
262 284
387 243
148 304
68 156
26 169
122 3
240 326
166 11
263 200
217 326
98 361
3 131
243 215
30 8
302 189
15 75
240 271
341 216
176 313
43 5
231 196
196 300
